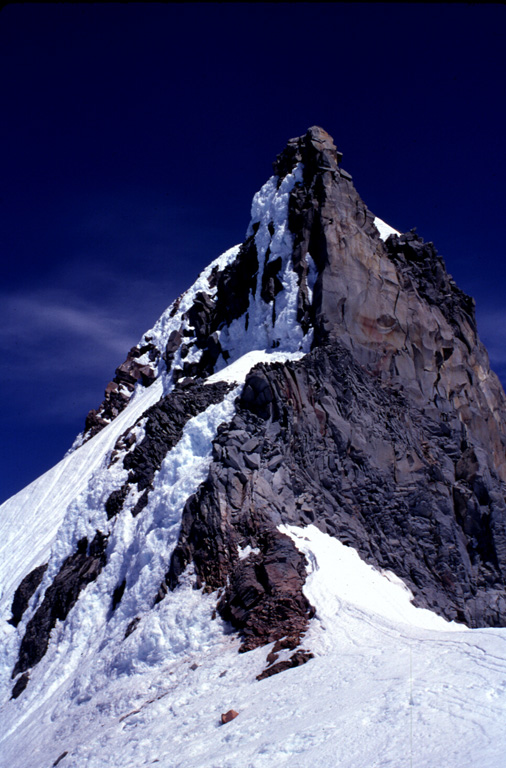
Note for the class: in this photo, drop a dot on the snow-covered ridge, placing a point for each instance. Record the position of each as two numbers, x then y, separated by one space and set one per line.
259 329
172 319
238 370
361 586
30 520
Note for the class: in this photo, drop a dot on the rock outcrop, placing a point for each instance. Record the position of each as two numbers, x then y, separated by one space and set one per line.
139 367
78 570
24 593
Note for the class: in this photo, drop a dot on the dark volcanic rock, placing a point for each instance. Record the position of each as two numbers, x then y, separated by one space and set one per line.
24 592
164 427
132 626
165 424
119 390
117 595
420 266
227 717
335 448
20 685
78 570
297 659
263 597
114 503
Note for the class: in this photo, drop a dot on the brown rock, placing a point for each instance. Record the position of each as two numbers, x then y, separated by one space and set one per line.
228 716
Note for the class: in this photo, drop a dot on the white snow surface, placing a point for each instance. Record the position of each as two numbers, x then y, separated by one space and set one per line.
390 686
29 521
239 369
384 229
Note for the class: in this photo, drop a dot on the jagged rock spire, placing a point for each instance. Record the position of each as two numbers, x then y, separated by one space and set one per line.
391 434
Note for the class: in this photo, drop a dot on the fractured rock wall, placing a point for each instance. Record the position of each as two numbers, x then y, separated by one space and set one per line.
390 434
331 446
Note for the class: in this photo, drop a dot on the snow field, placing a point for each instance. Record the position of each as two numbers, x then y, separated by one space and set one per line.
30 520
139 552
389 687
384 229
238 370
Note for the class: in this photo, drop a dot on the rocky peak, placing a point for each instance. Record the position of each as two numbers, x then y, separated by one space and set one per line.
373 414
393 335
316 150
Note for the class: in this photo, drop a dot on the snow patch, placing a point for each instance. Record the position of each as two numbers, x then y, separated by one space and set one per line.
384 229
237 371
247 551
269 326
337 576
311 276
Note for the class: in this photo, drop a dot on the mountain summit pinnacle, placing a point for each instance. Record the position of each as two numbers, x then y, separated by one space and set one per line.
316 150
325 373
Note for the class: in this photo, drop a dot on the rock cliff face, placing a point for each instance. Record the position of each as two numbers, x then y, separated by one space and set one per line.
380 422
390 434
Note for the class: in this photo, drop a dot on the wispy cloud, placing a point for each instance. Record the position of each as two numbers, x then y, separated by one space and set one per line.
30 319
53 331
117 266
64 348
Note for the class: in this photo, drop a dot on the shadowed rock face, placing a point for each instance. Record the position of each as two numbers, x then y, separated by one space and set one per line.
389 435
24 592
363 464
119 391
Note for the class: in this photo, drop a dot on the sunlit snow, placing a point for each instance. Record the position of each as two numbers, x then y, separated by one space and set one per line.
30 520
265 326
384 229
387 687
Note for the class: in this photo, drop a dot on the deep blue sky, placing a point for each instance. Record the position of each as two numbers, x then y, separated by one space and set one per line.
133 137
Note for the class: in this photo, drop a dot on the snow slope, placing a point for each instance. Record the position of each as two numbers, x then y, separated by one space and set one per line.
30 519
384 229
390 685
